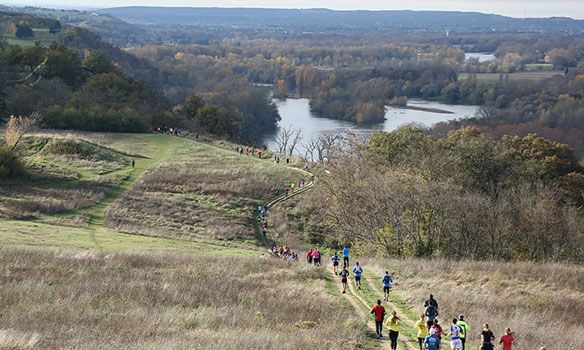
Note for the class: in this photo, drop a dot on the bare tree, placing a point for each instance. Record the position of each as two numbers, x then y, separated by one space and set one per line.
309 149
296 136
487 114
287 140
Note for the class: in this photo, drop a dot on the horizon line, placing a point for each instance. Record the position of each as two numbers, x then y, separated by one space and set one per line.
86 8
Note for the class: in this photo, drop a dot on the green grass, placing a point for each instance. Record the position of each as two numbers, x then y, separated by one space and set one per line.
151 151
42 36
495 77
30 233
539 67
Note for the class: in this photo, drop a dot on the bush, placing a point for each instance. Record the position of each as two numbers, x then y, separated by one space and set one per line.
24 31
10 166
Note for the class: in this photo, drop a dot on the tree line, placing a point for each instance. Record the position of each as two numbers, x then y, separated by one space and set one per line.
466 195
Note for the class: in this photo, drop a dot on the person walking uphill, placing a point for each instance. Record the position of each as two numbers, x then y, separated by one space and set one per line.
346 256
357 271
393 325
465 329
316 256
379 312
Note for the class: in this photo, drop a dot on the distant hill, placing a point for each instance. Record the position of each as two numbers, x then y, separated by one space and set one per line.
324 18
111 29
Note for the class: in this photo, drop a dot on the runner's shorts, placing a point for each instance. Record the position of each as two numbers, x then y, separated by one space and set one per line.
456 344
386 289
357 278
336 263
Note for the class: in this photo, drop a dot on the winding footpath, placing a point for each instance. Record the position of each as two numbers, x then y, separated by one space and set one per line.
356 299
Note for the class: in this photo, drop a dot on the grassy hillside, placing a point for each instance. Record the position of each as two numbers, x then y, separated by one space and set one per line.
91 300
72 278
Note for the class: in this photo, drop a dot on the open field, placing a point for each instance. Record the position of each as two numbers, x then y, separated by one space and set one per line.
179 187
69 281
42 36
495 77
541 303
89 300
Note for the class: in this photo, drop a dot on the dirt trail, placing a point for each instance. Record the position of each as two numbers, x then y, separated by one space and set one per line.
390 306
359 305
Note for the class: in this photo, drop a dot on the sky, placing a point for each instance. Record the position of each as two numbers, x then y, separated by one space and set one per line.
513 8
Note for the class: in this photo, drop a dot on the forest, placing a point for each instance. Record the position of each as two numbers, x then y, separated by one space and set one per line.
534 84
463 196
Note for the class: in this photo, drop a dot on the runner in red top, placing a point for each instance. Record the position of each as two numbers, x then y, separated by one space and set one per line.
437 329
507 340
379 312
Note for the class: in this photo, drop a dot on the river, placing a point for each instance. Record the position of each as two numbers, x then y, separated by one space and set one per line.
482 56
296 113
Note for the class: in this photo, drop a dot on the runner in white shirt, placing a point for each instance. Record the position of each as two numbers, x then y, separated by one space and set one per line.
455 342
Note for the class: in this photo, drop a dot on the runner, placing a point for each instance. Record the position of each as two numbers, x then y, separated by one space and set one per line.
286 190
437 329
379 312
507 340
454 333
432 342
344 277
465 329
487 338
431 313
345 257
386 281
316 256
357 271
393 325
431 301
422 328
309 256
133 163
335 260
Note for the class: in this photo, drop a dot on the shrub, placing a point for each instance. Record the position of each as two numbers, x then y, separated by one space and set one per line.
9 164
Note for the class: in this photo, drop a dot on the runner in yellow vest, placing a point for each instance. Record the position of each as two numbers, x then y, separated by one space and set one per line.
465 329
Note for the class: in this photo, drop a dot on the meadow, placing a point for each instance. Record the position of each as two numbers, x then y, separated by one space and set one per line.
41 36
518 76
541 303
55 298
72 277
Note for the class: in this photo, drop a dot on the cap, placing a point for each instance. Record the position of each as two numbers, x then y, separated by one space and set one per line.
461 317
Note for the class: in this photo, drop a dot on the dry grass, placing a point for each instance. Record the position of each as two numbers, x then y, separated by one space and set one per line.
62 175
83 299
206 192
541 303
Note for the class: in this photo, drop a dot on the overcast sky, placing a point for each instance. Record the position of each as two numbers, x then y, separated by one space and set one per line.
514 8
